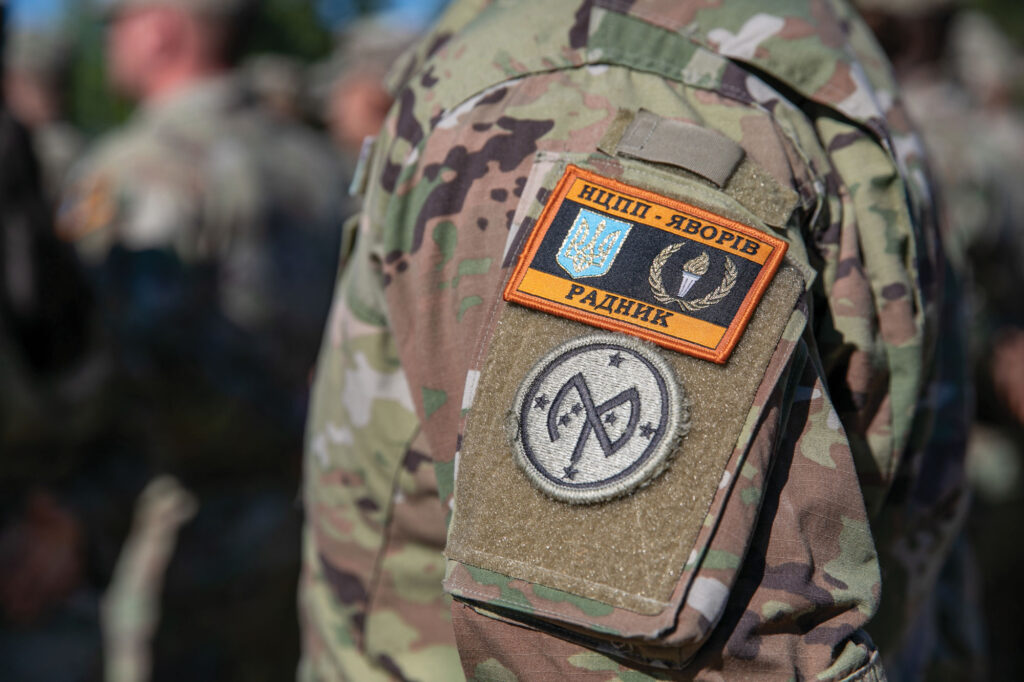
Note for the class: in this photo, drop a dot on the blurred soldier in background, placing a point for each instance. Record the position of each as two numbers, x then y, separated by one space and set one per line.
975 128
211 230
35 85
351 84
959 76
49 510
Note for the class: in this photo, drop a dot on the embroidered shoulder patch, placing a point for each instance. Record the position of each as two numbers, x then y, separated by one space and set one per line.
597 418
625 259
91 206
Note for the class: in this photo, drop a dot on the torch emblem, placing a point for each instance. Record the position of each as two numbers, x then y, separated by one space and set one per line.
693 270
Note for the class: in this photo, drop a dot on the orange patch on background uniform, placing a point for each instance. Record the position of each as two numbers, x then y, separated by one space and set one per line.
92 209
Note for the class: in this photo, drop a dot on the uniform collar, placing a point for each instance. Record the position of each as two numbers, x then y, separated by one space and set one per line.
217 93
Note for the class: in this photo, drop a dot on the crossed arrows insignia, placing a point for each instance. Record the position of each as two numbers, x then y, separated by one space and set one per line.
592 416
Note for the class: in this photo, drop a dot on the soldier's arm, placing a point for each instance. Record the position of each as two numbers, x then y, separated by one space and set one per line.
749 551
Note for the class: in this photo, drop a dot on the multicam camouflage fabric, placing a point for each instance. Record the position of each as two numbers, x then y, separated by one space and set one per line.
847 475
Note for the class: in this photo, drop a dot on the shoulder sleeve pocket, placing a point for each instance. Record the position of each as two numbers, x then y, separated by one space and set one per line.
568 400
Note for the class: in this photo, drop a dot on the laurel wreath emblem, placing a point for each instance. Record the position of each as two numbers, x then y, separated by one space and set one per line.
715 297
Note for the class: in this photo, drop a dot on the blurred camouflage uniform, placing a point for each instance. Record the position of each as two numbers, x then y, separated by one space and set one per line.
211 231
975 136
961 98
840 468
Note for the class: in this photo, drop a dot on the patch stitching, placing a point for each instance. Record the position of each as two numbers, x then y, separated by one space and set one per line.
721 340
662 439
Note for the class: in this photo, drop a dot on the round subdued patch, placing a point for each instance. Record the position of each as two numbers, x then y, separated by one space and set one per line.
597 418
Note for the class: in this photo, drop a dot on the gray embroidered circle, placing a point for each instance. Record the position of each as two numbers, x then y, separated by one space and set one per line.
597 418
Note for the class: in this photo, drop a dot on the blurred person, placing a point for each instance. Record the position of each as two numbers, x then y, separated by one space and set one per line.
545 441
959 74
51 519
352 82
36 74
211 231
54 520
978 142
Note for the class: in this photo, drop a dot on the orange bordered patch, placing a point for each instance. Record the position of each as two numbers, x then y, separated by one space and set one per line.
628 260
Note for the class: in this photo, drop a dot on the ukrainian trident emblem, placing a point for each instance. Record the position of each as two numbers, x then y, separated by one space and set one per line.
590 247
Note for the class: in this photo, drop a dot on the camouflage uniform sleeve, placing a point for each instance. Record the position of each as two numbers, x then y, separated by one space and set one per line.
785 546
370 598
762 564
